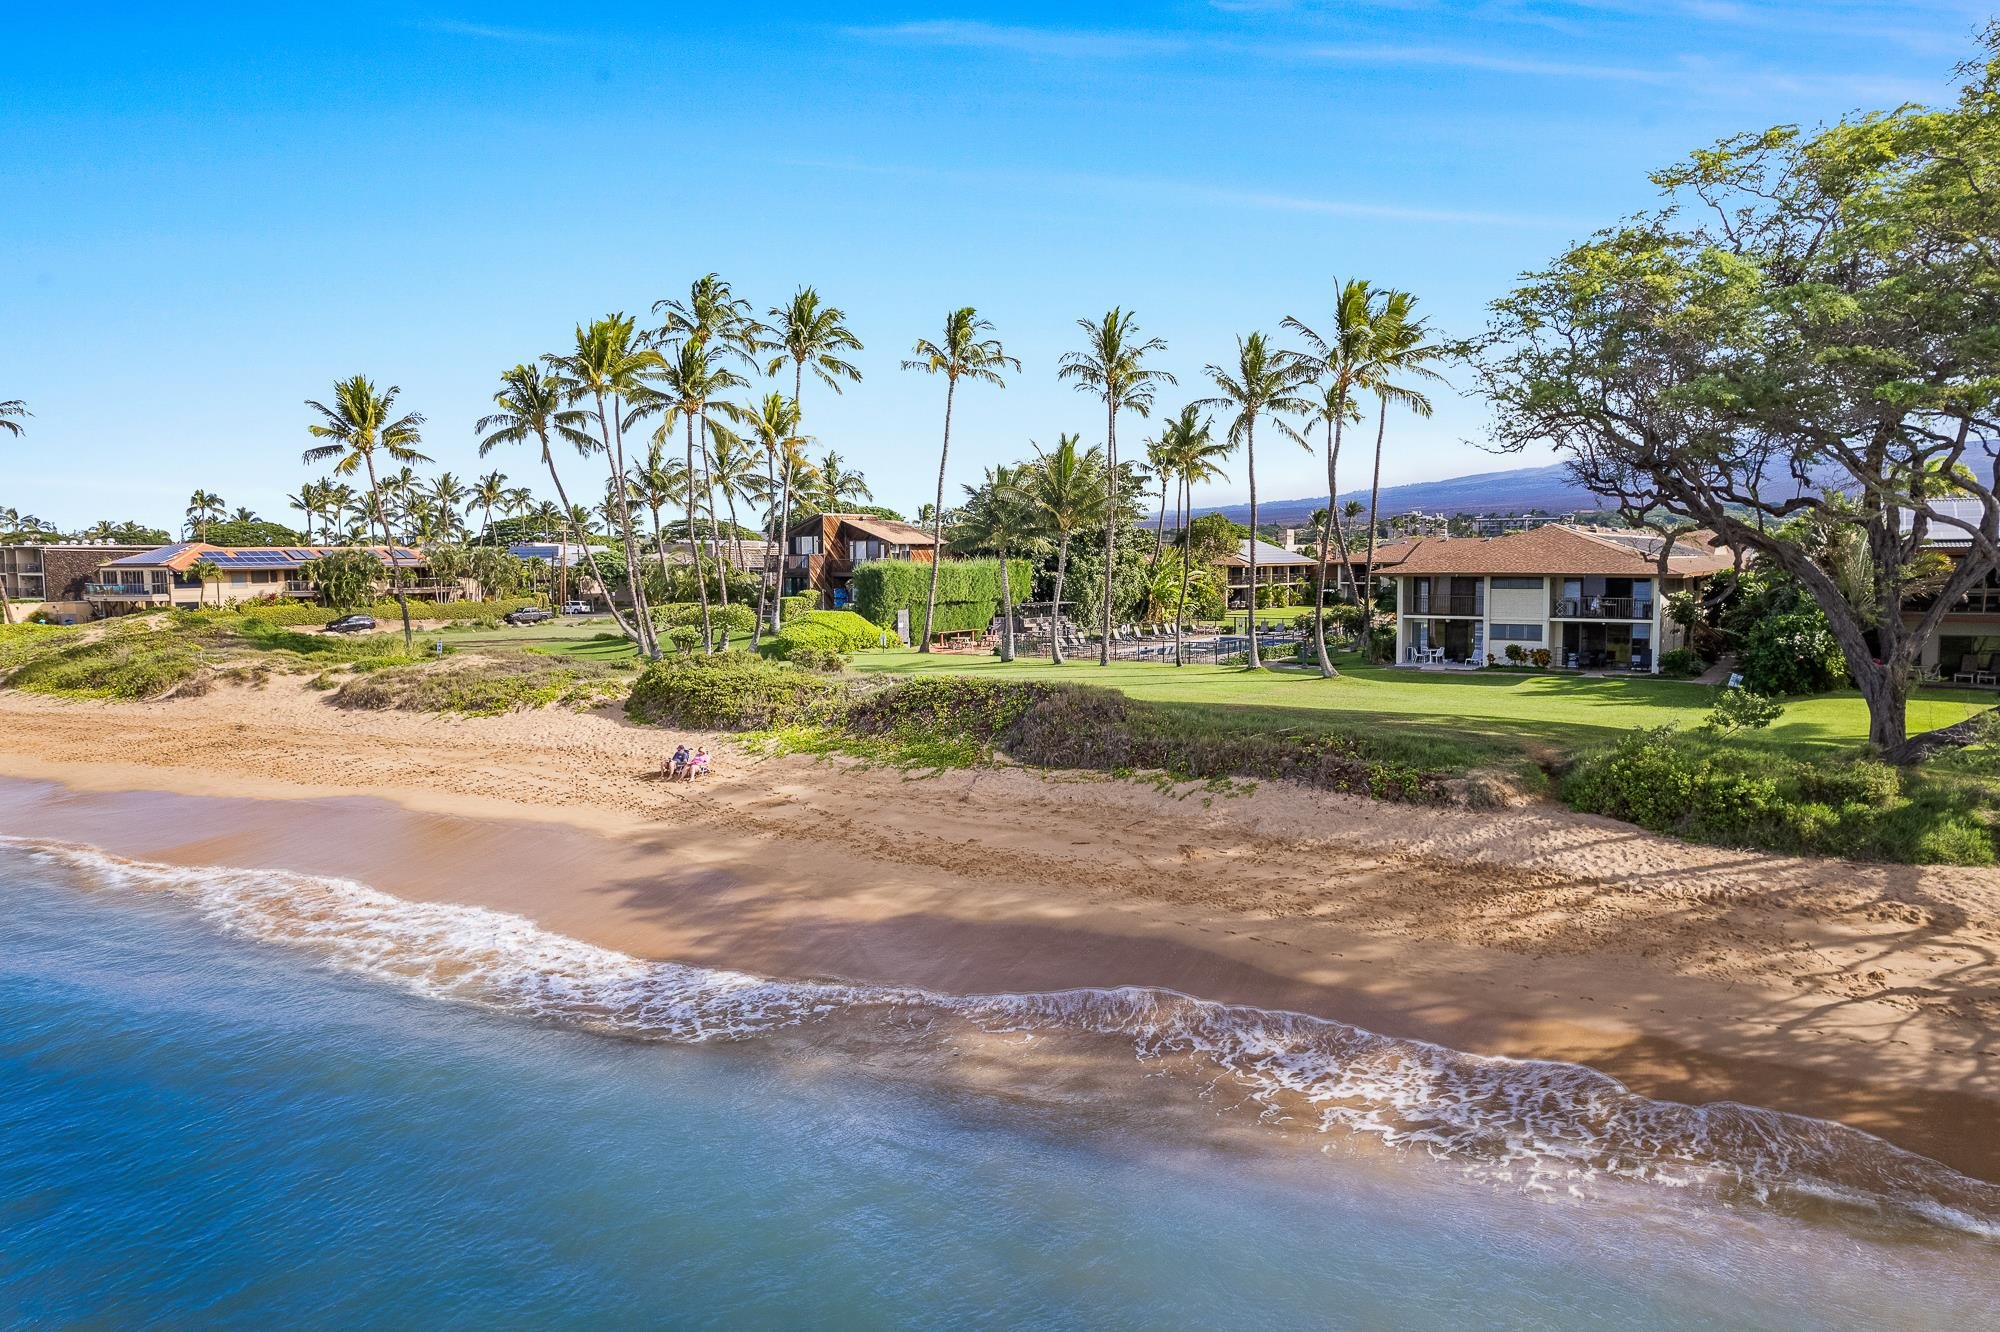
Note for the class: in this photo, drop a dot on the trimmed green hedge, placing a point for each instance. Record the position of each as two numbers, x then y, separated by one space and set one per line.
968 592
818 635
304 612
736 617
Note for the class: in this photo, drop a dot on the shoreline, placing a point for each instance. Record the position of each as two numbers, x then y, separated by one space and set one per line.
1861 993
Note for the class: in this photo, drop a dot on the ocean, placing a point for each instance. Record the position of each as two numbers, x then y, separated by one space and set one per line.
233 1097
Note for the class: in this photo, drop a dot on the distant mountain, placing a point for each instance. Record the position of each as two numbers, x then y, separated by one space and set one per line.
1522 490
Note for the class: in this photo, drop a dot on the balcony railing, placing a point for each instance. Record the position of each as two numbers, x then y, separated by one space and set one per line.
1457 603
123 591
1979 601
1604 608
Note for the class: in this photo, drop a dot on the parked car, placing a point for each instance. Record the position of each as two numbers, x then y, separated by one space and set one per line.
351 624
576 608
529 615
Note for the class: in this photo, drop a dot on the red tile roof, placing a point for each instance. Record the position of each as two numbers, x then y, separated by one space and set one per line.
1553 550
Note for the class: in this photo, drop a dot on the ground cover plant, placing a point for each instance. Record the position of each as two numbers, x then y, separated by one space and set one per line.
481 686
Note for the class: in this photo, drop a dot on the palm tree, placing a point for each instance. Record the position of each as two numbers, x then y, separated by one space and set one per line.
204 508
358 425
1110 367
516 502
488 493
18 407
809 335
734 476
657 483
1263 382
609 368
1160 460
834 487
998 516
1067 495
1195 457
534 405
691 386
204 571
774 424
243 515
1398 347
963 354
1344 364
447 494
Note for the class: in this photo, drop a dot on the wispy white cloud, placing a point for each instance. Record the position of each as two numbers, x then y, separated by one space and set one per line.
1200 193
1436 57
492 33
1057 43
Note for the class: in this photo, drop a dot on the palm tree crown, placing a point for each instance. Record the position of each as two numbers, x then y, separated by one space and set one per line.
14 407
361 423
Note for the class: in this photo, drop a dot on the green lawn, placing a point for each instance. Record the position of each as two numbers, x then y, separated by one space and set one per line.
1480 715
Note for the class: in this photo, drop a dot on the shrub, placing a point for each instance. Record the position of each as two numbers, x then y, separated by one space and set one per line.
1741 709
1956 839
134 663
683 639
824 659
1516 653
1793 652
1864 782
840 633
794 606
1681 663
1541 657
735 618
731 692
968 594
477 687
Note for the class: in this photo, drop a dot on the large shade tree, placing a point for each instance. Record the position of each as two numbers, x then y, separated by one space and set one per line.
965 352
1808 328
1111 366
360 425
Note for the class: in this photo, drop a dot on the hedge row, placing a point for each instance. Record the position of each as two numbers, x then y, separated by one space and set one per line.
305 612
968 592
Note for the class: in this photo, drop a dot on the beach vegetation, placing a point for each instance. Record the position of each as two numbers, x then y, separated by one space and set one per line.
481 686
735 691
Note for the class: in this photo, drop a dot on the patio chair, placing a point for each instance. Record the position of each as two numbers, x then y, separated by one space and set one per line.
1985 673
1968 670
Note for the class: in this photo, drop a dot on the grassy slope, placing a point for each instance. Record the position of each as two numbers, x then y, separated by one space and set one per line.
1468 717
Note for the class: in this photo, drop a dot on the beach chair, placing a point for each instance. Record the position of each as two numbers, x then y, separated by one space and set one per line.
1968 670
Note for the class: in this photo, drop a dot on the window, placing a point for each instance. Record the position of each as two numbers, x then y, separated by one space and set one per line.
1518 585
1517 633
805 545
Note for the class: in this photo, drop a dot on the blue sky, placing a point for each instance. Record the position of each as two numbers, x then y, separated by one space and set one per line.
207 219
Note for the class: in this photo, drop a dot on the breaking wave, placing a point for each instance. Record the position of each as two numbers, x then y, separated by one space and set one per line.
1545 1125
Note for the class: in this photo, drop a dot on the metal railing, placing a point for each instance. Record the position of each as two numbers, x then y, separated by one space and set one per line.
122 590
1604 608
1979 601
1456 603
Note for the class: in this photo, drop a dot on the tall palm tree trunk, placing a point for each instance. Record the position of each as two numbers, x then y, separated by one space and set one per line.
1367 588
714 522
1110 522
694 547
1160 528
1326 670
614 453
1180 521
1055 617
1006 611
937 523
589 558
764 565
785 515
1250 469
395 569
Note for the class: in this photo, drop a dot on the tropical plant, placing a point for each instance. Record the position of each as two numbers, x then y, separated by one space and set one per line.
1263 382
1110 367
999 518
345 578
487 494
1067 495
691 386
835 489
205 571
1343 362
360 424
1195 456
10 409
204 508
773 426
964 353
608 367
1399 348
807 334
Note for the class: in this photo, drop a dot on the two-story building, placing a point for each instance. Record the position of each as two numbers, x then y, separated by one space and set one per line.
55 573
1276 567
166 576
1594 599
823 551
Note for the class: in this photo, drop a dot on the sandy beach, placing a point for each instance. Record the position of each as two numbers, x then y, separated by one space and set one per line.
1868 994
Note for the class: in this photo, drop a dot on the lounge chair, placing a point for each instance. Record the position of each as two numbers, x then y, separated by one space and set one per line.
1968 670
1985 673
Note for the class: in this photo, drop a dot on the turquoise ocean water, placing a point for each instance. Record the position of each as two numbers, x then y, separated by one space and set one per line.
224 1100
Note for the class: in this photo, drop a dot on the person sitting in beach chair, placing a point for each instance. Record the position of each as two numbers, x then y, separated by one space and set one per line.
698 765
673 769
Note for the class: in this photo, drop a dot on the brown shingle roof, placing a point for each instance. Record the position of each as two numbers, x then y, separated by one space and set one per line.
1552 550
883 529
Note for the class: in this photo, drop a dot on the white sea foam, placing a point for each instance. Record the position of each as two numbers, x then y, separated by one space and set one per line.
1544 1124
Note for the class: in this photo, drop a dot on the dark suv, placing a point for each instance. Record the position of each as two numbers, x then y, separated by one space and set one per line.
351 624
529 615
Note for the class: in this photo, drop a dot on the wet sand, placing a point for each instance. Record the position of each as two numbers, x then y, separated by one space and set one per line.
1868 994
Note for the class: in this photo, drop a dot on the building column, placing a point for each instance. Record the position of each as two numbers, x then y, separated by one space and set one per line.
1402 606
